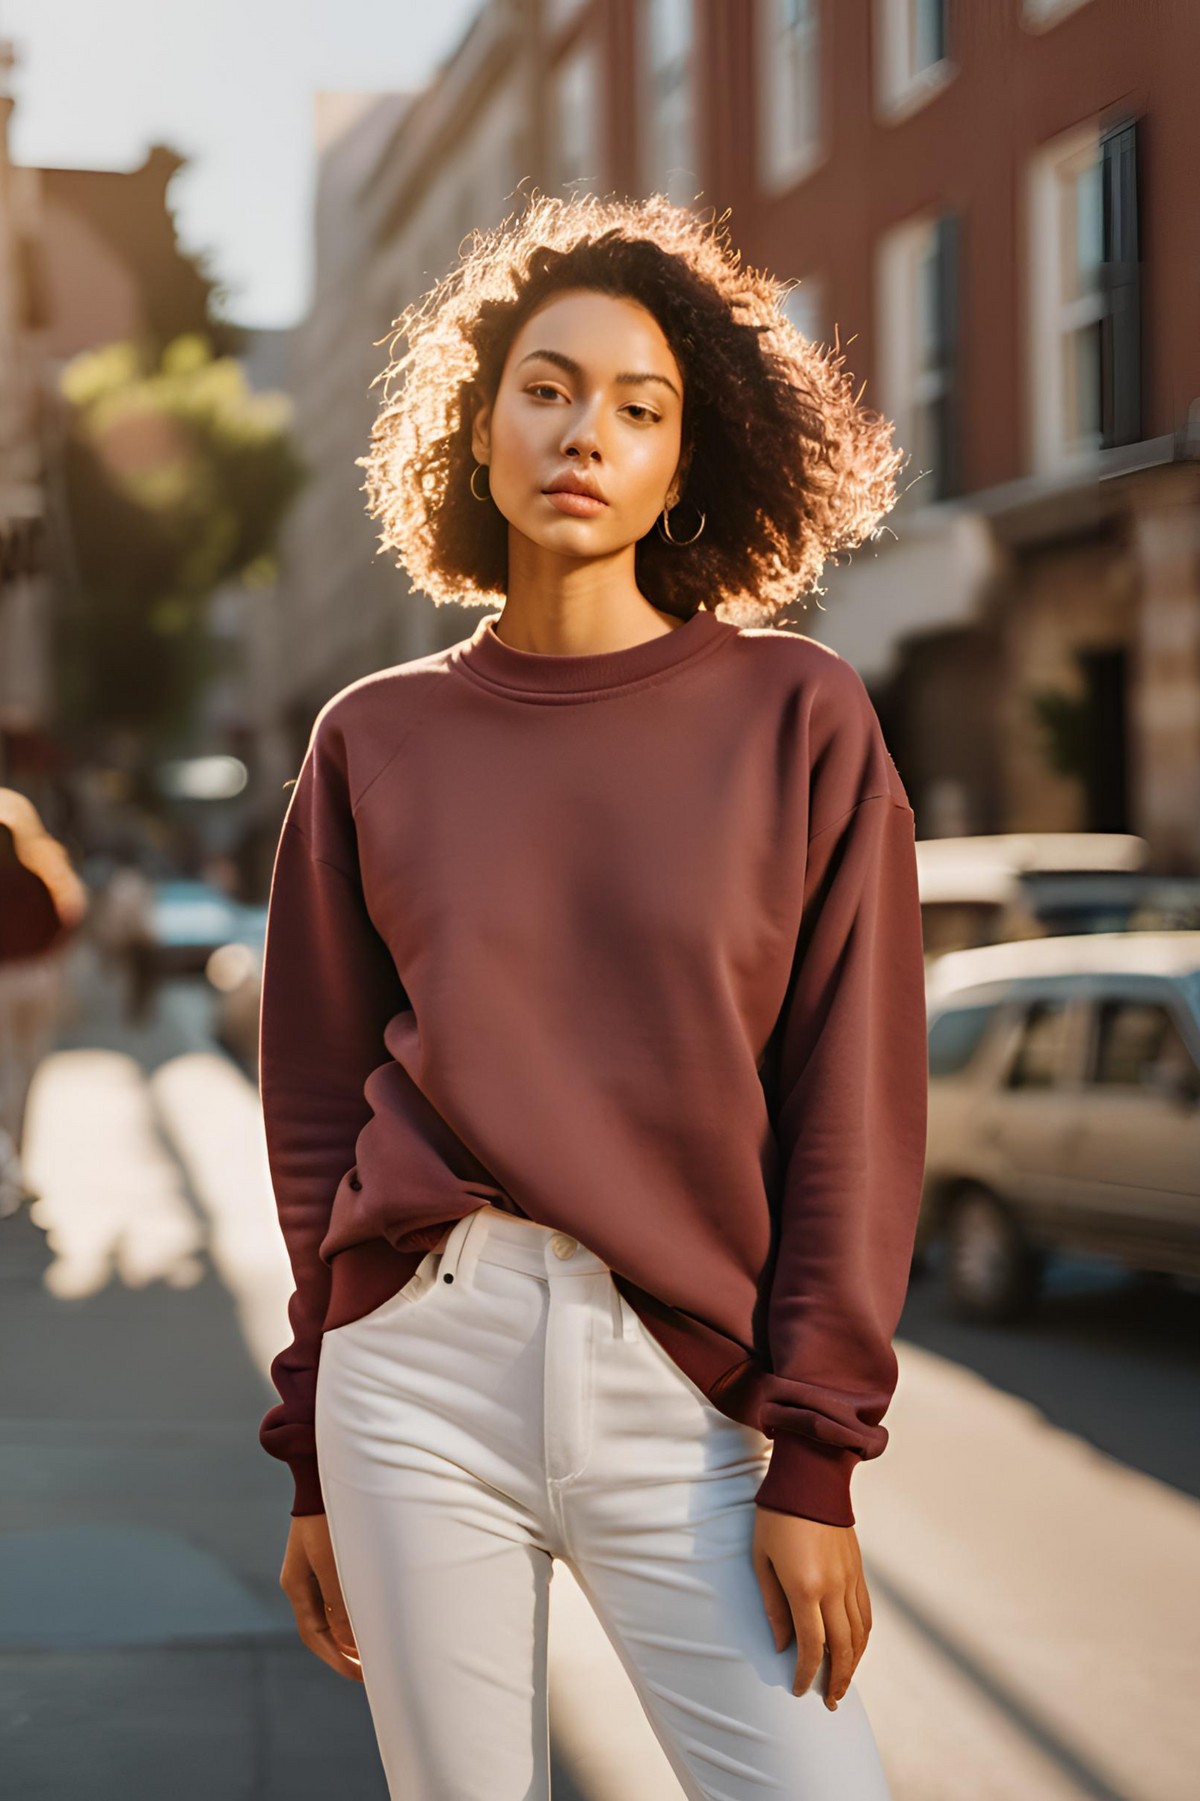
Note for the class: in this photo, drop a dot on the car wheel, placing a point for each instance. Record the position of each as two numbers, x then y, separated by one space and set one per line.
992 1273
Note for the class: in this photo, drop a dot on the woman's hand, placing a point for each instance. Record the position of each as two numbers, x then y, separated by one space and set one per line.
812 1583
309 1580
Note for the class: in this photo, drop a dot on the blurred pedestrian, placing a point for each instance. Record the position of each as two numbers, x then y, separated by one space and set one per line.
126 931
42 901
593 1056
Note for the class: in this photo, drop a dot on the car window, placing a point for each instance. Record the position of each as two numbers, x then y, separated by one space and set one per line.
1138 1044
955 1036
1042 1047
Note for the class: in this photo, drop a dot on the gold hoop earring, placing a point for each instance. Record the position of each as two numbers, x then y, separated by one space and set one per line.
664 529
474 472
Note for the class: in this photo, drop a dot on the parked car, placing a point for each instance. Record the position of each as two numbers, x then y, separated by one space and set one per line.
190 919
1004 885
1064 1111
235 971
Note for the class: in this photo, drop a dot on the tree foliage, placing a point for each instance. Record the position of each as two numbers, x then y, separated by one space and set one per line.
177 477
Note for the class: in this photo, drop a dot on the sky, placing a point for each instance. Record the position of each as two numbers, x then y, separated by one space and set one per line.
228 84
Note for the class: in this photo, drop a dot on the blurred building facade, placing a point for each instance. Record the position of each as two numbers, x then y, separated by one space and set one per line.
402 178
330 621
25 673
991 202
87 257
983 207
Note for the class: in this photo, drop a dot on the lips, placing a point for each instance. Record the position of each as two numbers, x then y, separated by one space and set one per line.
574 484
574 502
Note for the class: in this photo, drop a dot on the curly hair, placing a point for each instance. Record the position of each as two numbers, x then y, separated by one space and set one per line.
787 466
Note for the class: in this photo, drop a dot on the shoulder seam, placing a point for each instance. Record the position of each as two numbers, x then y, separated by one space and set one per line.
357 800
315 857
880 794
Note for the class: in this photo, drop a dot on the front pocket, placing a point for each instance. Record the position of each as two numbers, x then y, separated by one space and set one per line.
419 1284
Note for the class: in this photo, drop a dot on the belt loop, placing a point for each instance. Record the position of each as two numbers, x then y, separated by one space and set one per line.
461 1251
621 1327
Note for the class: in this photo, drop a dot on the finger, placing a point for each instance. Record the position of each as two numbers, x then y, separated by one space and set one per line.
307 1604
322 1645
340 1656
339 1625
841 1650
779 1614
309 1609
864 1602
810 1641
333 1607
338 1620
858 1632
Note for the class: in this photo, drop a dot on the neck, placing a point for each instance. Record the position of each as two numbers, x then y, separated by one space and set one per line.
580 619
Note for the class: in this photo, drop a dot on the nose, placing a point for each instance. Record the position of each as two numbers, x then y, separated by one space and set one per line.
583 438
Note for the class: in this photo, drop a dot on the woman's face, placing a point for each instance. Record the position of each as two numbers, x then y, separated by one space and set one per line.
591 389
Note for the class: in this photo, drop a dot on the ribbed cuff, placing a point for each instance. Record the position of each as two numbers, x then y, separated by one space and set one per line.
808 1478
309 1498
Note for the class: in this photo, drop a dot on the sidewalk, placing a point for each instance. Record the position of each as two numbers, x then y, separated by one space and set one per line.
145 1646
1036 1603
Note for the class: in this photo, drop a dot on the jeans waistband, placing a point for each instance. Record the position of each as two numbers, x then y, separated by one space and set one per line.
489 1235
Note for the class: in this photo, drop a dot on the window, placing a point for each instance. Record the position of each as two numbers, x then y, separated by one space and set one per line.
918 331
955 1036
1041 1051
912 60
790 115
1139 1045
927 33
670 49
804 305
575 120
1040 15
1120 285
1066 225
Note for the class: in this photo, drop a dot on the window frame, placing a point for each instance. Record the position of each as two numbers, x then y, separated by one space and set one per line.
656 177
914 391
1043 15
784 165
900 88
582 53
1055 320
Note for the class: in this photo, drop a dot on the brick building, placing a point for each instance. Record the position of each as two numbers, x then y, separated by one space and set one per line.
985 204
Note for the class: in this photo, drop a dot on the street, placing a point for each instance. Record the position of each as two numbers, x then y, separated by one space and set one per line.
1031 1535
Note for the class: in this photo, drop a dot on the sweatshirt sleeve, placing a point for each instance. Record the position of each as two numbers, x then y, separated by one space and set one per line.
329 987
851 1125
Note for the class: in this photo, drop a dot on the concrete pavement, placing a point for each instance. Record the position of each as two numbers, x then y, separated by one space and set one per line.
1037 1626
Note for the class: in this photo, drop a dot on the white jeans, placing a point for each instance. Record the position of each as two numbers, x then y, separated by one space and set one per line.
508 1407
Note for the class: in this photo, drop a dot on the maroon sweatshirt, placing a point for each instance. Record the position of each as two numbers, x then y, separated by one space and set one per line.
30 923
629 944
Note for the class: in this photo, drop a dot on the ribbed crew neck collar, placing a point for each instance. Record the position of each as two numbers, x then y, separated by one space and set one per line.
541 676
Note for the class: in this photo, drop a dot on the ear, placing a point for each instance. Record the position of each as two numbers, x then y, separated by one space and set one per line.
679 479
481 429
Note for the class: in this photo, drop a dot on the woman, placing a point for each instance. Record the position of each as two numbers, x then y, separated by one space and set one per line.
593 1041
42 903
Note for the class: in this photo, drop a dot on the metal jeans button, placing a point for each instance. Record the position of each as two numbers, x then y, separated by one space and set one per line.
563 1246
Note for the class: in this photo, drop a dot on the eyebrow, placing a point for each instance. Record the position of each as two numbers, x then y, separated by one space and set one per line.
628 379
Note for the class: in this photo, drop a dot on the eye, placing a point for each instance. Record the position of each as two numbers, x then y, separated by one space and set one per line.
543 387
639 407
